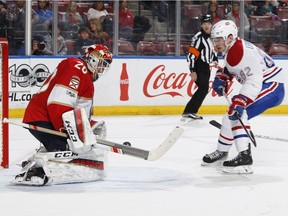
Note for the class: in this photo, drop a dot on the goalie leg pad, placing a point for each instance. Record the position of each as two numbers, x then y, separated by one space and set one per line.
87 167
79 130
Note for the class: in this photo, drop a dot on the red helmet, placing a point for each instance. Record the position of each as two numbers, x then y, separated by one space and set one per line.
98 59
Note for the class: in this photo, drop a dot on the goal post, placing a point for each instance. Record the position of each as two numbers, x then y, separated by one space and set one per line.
4 100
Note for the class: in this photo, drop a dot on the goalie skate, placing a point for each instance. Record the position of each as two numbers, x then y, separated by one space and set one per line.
33 177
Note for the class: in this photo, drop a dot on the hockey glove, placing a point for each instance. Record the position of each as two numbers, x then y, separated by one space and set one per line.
220 82
237 107
99 129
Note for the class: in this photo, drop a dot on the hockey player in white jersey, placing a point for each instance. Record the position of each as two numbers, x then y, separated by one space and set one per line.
262 88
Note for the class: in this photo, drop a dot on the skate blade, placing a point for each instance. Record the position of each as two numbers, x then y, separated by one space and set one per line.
187 120
218 163
238 170
190 121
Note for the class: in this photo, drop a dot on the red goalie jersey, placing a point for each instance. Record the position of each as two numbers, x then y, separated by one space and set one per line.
69 87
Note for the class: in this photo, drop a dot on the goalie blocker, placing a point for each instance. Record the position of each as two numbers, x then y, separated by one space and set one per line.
84 163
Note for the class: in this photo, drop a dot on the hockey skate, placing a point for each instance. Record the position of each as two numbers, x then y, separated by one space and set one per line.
35 176
188 117
215 158
241 164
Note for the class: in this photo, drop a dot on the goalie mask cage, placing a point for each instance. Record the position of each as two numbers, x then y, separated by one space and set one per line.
4 154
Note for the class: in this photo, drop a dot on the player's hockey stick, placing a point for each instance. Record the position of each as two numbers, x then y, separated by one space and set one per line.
218 125
151 155
249 133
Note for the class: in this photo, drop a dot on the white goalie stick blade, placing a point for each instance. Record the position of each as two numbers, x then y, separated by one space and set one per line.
238 170
116 147
145 154
218 125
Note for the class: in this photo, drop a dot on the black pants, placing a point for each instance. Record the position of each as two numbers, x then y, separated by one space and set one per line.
50 141
203 77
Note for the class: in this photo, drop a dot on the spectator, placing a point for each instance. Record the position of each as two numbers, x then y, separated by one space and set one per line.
44 13
213 10
97 11
3 21
72 17
82 41
98 35
141 26
248 8
126 21
15 16
234 15
267 9
38 46
283 3
62 47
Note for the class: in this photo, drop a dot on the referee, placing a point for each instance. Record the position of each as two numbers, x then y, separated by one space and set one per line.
200 55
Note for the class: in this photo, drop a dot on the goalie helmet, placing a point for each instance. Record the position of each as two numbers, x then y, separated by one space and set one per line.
98 59
223 29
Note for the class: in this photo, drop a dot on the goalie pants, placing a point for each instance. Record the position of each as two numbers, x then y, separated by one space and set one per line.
50 141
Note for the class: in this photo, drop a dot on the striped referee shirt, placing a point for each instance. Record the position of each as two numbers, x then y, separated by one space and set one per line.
201 50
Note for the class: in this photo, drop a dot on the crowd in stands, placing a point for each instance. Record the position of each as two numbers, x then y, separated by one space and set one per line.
82 23
265 22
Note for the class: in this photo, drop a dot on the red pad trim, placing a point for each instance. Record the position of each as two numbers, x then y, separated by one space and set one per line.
89 163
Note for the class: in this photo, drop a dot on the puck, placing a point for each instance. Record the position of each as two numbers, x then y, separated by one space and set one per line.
127 143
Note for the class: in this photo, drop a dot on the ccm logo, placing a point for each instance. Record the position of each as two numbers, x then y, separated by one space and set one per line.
64 154
70 131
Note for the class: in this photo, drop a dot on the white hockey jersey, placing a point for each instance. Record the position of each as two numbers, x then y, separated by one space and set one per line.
251 67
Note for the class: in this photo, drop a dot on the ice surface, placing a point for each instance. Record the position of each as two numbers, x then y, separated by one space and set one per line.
174 185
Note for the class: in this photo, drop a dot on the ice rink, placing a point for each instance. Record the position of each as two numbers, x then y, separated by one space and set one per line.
174 185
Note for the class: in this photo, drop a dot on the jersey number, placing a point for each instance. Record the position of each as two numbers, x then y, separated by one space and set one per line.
79 65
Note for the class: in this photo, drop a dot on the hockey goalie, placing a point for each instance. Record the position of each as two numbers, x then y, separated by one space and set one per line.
64 103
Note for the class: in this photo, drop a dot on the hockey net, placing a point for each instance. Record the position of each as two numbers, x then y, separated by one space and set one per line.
4 108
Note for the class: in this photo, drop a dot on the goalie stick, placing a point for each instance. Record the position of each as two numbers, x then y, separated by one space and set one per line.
151 155
218 125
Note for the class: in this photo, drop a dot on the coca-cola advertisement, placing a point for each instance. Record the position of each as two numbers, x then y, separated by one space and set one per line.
143 82
138 83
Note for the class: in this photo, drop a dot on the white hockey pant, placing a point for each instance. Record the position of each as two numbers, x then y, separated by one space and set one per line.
233 132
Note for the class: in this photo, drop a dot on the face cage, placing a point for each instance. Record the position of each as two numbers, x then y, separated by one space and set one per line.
98 66
103 66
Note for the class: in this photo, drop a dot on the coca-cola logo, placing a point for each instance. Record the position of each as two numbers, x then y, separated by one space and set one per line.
159 82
